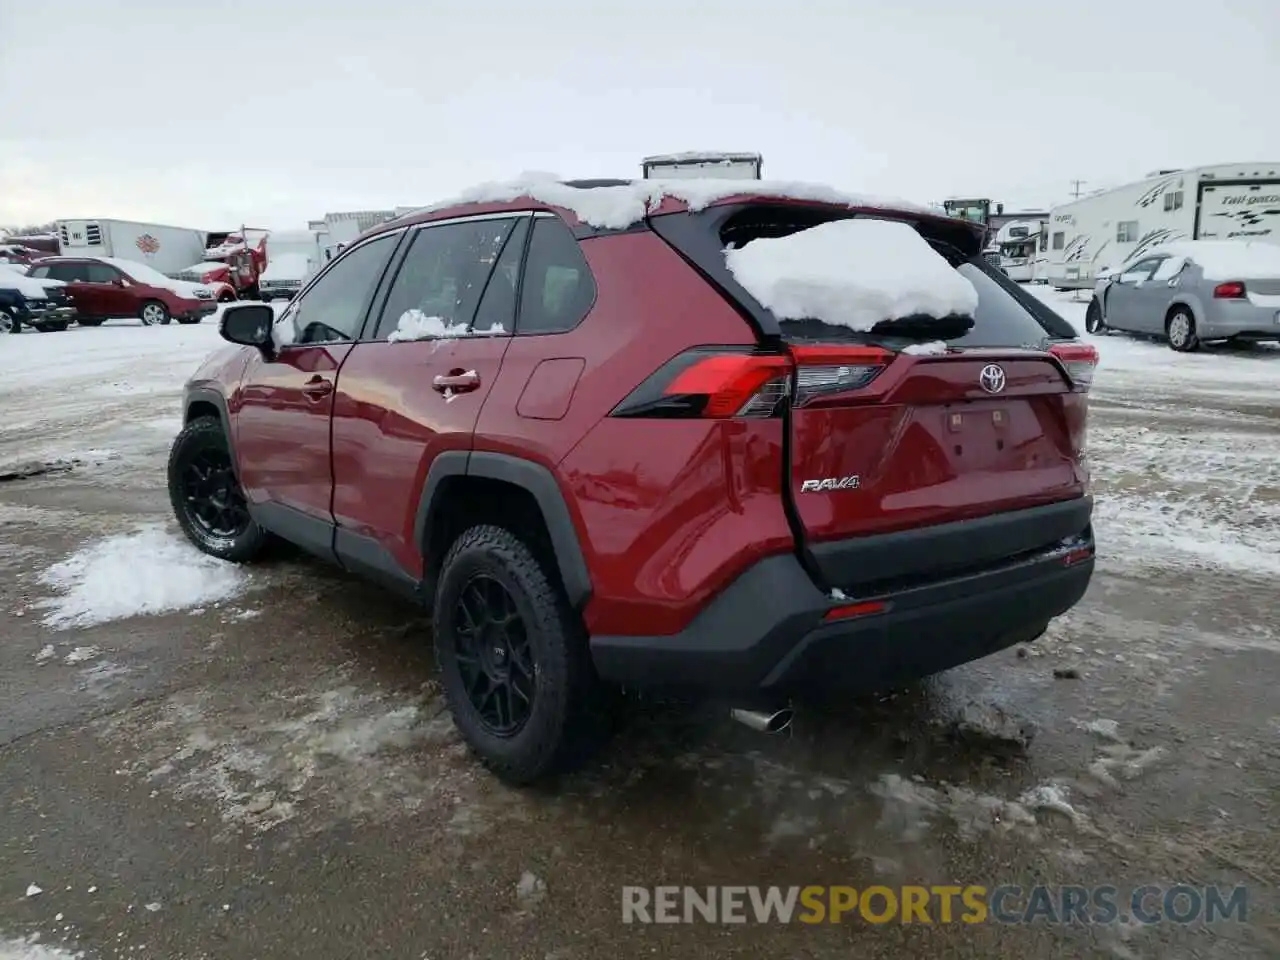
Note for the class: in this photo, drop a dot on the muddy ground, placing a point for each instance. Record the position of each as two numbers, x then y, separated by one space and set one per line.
273 775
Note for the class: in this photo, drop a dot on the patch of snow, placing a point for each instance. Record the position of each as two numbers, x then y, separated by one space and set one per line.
1053 797
1226 259
530 889
147 572
32 949
852 273
935 348
618 207
46 653
416 325
80 654
34 891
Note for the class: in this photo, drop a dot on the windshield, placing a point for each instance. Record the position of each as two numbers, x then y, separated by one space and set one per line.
968 210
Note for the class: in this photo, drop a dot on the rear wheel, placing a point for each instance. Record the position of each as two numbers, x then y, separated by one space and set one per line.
153 313
206 496
1093 322
513 659
188 320
1181 328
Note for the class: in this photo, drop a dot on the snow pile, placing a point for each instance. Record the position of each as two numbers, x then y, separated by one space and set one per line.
416 325
1222 259
935 348
618 207
146 572
852 273
31 949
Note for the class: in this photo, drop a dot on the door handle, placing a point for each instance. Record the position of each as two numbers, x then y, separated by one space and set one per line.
457 381
317 388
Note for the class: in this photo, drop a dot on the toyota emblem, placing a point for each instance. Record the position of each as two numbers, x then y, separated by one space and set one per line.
992 378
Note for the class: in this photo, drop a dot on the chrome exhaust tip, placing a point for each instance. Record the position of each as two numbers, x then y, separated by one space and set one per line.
764 722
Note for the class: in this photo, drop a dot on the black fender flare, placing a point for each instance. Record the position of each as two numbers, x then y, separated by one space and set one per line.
198 394
541 485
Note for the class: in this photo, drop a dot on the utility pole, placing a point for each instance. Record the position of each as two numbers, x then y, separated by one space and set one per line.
1075 188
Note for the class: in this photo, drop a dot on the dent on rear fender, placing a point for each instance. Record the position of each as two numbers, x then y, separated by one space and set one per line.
671 512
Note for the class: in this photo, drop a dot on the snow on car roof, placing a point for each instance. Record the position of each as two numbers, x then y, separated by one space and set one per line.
852 273
1225 259
616 205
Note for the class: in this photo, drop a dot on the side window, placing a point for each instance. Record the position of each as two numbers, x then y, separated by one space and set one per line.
1059 240
441 279
332 310
1126 231
1141 270
39 273
1173 201
558 289
68 272
497 310
99 273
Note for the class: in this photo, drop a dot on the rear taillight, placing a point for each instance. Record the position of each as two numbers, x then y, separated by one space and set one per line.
1232 290
825 370
715 383
1080 361
720 382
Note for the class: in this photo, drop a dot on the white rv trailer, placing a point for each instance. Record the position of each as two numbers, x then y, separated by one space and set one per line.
1019 244
1233 201
683 166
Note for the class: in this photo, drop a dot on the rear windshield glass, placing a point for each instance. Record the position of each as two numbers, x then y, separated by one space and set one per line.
1007 316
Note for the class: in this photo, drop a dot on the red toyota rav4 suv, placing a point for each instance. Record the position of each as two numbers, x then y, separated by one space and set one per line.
556 417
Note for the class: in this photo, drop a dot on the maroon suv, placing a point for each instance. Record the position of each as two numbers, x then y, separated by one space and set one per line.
602 463
104 288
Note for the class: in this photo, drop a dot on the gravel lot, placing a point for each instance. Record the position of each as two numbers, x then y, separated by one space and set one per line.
262 767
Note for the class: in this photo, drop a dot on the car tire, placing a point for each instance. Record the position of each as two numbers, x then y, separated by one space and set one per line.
189 320
1180 329
1093 322
89 322
153 312
561 716
9 323
206 496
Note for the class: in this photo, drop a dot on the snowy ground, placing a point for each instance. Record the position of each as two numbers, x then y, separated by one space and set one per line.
204 762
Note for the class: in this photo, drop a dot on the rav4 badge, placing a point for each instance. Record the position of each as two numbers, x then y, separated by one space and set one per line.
831 483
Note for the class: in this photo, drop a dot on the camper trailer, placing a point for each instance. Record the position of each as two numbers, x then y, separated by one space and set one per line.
1019 243
1236 201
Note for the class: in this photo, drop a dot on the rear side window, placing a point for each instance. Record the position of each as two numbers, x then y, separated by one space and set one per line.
68 272
100 273
443 274
39 272
558 289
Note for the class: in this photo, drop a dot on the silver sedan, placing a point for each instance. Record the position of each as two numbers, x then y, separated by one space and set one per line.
1192 292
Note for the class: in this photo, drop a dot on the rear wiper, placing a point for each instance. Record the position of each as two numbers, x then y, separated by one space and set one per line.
924 327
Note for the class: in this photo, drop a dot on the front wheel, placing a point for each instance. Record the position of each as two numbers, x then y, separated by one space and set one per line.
8 322
153 313
513 659
1093 322
206 495
1182 331
89 321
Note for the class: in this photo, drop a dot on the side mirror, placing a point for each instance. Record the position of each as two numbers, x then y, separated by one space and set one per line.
248 324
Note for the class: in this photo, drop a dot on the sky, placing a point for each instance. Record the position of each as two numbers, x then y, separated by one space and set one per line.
273 112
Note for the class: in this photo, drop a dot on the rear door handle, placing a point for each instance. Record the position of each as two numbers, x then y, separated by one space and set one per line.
457 381
317 387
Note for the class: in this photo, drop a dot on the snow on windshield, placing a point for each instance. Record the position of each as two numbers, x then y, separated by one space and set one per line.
852 273
618 207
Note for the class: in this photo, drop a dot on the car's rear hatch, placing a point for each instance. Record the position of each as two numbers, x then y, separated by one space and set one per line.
895 437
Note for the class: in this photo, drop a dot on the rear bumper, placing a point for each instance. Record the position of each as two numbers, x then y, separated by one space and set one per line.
766 636
1248 321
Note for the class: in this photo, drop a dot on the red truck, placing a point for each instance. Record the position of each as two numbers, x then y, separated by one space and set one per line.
233 264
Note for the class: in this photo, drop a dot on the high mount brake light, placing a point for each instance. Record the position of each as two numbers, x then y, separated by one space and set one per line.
718 383
1080 360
